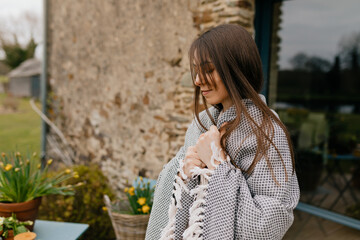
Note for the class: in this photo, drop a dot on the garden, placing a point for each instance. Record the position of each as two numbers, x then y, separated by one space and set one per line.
34 189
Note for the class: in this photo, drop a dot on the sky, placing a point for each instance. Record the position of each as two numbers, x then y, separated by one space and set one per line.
316 27
11 12
16 7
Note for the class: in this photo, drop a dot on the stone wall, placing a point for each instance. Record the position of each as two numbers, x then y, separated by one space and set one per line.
120 87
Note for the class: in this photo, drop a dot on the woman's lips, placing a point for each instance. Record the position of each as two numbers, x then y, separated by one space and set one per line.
205 92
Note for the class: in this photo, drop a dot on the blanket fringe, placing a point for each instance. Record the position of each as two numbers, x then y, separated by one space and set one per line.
197 210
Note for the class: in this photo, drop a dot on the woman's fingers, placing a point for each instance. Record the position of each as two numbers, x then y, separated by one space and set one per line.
191 150
213 128
191 153
191 161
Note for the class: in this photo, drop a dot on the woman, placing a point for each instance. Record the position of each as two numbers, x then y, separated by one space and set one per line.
234 177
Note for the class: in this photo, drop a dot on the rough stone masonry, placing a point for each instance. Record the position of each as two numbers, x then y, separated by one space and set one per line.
119 83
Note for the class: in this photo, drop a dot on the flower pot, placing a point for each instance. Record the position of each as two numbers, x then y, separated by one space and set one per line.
25 211
10 235
129 227
25 236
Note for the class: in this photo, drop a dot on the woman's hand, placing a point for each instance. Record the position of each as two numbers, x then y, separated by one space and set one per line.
191 161
203 146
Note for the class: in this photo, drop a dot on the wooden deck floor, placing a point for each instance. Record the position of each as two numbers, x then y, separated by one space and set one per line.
309 227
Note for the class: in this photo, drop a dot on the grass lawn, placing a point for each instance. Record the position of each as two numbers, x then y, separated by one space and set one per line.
20 131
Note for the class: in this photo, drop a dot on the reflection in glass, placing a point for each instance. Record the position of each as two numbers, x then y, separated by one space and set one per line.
315 88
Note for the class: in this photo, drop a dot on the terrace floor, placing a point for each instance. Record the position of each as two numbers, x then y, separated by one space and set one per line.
309 227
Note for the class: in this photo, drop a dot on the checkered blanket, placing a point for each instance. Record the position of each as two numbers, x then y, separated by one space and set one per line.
227 203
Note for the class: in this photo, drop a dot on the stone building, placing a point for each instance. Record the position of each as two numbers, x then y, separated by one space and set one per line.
120 86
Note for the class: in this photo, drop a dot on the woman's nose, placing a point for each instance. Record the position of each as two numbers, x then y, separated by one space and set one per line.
197 80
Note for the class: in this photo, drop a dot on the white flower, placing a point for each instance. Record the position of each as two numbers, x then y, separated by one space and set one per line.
2 220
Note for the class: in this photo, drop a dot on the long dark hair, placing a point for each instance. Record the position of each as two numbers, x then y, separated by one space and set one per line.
233 52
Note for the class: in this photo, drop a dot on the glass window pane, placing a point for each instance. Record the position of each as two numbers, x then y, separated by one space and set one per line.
315 88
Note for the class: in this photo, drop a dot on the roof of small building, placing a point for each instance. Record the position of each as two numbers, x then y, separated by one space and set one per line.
28 68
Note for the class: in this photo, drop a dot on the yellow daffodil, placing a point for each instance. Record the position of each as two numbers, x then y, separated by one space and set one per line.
132 191
18 154
67 171
49 161
8 167
39 166
104 208
17 169
2 164
145 209
141 179
126 189
75 175
141 201
3 154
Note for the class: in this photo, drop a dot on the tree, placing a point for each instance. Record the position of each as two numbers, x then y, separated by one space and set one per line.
18 37
301 61
15 54
349 46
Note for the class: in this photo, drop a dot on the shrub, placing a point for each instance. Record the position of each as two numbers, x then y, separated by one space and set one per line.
86 206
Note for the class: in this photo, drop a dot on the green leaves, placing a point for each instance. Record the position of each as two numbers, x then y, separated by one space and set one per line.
22 179
11 223
20 229
15 54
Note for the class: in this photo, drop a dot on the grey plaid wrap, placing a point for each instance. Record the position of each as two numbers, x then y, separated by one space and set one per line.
237 206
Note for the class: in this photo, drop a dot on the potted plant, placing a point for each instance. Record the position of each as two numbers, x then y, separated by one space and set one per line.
23 182
130 216
10 227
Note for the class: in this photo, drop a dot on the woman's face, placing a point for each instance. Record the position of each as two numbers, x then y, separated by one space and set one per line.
214 93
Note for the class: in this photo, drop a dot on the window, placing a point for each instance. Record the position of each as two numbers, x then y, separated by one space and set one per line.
311 55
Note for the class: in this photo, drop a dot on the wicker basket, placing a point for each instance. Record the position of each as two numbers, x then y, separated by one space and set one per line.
127 227
130 226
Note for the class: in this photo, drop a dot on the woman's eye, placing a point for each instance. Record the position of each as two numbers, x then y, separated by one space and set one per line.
208 68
